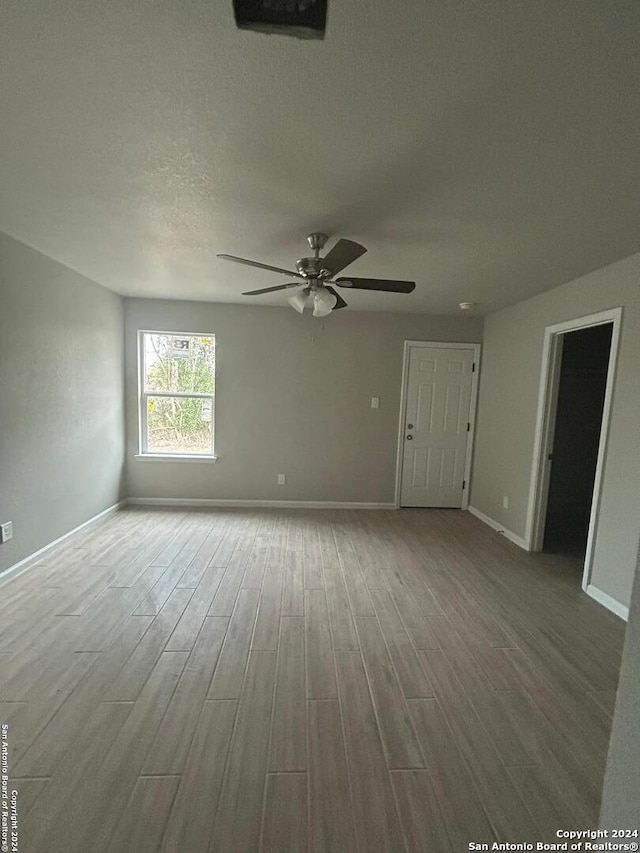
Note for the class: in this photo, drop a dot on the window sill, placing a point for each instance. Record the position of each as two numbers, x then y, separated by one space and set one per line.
173 457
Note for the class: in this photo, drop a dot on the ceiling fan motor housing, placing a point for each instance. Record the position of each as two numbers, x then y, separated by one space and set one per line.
312 268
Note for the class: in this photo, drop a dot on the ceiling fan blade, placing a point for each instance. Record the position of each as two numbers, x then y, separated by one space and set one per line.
344 252
340 303
259 265
377 284
271 289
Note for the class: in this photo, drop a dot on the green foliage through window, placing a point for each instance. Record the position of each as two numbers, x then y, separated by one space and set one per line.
176 366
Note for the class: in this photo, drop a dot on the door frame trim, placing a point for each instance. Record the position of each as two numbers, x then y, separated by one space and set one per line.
408 345
545 427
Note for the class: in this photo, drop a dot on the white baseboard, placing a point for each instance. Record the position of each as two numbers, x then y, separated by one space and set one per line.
27 562
250 503
608 602
508 534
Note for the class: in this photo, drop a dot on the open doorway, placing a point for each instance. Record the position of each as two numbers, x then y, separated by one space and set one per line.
581 389
574 407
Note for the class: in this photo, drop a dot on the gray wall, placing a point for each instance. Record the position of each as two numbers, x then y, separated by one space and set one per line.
510 375
292 396
621 794
61 399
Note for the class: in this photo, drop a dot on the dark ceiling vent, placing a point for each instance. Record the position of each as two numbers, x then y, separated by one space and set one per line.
304 19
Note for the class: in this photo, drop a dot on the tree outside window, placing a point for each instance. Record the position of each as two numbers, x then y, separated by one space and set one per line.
177 400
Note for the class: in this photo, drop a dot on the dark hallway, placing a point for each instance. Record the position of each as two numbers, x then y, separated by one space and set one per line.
583 377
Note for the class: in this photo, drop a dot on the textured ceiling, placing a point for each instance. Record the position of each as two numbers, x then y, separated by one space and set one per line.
488 150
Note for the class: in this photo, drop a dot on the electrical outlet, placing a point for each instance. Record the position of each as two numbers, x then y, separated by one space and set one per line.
505 502
375 402
6 531
281 479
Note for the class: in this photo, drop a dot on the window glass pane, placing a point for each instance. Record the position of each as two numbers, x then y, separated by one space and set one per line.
179 363
179 425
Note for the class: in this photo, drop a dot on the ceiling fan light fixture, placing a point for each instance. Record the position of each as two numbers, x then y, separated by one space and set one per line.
319 274
323 303
299 299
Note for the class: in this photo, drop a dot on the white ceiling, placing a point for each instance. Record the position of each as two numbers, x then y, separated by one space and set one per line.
488 150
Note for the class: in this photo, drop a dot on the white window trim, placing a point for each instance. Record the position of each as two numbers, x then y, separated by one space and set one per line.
176 457
143 454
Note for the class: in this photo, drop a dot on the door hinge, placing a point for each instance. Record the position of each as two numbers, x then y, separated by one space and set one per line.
473 367
464 485
468 426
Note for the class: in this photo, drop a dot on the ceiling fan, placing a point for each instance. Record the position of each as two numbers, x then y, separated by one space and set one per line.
318 276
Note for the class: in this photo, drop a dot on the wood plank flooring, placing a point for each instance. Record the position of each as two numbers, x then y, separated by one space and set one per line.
252 681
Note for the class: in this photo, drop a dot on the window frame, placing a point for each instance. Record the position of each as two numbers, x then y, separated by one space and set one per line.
143 395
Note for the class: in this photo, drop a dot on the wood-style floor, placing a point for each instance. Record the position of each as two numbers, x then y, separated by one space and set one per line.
263 680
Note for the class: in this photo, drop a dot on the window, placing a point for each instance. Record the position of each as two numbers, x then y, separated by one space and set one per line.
177 394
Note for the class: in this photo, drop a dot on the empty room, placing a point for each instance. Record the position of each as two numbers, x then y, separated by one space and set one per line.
319 426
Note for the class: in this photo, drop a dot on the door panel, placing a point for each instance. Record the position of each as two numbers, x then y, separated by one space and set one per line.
435 426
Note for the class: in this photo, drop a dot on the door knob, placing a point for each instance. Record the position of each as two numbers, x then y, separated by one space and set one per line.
409 438
409 426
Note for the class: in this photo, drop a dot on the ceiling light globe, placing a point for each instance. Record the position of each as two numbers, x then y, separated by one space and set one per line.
299 300
323 302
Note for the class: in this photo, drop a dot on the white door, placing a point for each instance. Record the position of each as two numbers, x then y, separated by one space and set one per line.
436 425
